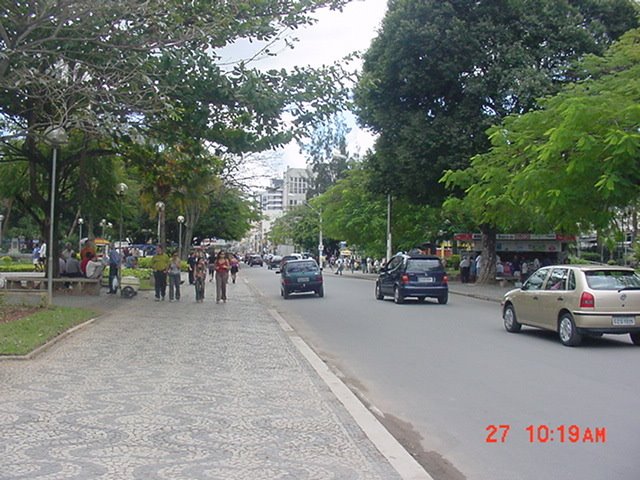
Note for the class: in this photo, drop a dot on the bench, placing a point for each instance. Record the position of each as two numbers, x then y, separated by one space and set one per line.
505 280
74 285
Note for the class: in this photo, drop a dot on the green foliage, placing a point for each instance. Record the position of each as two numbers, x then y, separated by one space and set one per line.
441 72
16 267
573 162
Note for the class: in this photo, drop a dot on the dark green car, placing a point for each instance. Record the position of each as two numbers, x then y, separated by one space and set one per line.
299 276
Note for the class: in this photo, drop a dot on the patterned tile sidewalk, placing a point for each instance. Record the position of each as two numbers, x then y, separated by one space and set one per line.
183 390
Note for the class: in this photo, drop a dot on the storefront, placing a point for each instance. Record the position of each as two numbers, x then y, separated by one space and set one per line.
549 246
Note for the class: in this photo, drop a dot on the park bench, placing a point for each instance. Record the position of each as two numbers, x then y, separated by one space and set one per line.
72 285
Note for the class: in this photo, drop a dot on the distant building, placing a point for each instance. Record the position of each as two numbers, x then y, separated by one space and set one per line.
296 185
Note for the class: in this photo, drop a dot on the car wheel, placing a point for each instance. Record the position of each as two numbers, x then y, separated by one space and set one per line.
320 292
567 331
635 338
286 294
397 296
379 295
511 323
443 299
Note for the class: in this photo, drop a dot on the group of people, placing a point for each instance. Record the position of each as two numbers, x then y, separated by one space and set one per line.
221 267
519 268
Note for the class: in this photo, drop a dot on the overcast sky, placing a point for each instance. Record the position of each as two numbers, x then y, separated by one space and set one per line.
335 35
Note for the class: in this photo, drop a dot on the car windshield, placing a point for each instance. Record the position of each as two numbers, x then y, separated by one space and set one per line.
300 267
423 265
612 279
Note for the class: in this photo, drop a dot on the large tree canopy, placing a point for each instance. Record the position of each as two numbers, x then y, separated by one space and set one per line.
442 71
571 163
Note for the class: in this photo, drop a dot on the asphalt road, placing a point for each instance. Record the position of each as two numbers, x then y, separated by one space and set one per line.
468 399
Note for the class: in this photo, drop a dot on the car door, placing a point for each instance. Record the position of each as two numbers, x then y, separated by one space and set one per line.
387 277
553 297
527 302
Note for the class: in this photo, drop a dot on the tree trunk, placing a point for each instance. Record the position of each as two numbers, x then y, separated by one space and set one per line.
487 271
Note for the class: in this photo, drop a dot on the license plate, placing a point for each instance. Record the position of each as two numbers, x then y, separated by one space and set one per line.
426 280
303 279
624 320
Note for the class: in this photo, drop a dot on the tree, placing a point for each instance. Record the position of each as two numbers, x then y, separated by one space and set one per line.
327 155
570 165
103 70
441 72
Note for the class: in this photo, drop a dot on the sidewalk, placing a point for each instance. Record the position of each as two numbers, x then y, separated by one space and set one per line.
183 390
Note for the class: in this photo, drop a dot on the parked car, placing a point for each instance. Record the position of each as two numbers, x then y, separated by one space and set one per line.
297 276
255 260
286 258
418 276
274 262
576 300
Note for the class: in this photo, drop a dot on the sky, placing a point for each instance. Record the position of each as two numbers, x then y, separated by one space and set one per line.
332 37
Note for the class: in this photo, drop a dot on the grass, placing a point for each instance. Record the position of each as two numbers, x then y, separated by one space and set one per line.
23 335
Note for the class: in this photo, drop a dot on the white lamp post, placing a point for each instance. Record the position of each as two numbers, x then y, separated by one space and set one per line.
103 224
180 222
160 208
55 137
80 222
320 245
1 220
121 190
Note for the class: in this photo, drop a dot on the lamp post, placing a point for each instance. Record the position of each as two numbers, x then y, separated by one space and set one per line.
320 244
55 137
1 220
103 224
180 222
80 222
389 248
160 208
121 190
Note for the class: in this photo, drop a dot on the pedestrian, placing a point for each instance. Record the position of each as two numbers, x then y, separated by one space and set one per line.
43 255
199 277
221 266
465 266
35 258
160 265
235 264
212 268
174 278
114 265
191 262
524 271
340 265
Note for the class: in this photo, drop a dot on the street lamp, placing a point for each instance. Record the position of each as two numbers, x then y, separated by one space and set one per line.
320 245
80 222
160 208
1 220
180 222
121 190
55 137
103 224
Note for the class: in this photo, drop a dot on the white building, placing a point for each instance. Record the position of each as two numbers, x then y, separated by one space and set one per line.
296 184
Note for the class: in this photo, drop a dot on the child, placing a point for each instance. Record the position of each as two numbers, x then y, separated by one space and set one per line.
200 275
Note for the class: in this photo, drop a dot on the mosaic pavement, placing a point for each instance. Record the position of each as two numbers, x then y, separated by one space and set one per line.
159 390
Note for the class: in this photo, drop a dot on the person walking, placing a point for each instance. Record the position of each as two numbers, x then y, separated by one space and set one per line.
221 267
235 266
465 267
191 261
174 278
199 278
160 265
114 265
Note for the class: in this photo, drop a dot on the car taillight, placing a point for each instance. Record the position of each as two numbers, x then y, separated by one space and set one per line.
445 280
587 300
404 279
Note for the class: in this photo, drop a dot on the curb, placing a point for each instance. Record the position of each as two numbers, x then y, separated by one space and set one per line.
398 457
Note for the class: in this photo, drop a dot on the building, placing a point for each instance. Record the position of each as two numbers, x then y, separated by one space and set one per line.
296 185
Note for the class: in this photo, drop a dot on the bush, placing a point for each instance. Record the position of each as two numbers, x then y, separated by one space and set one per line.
590 256
16 267
144 262
453 261
6 259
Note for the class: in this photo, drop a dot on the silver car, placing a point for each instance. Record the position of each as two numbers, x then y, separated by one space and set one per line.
576 300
